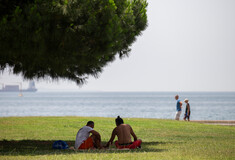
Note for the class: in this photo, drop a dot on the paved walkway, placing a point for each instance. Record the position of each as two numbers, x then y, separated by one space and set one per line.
215 122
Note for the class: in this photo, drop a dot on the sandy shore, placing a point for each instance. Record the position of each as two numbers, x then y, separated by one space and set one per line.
217 122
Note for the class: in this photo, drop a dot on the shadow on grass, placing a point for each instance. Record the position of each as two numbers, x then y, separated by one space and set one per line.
44 147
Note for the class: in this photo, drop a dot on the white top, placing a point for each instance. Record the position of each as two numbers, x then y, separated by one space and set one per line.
82 135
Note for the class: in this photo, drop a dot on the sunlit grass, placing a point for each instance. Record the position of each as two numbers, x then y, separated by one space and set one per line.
32 137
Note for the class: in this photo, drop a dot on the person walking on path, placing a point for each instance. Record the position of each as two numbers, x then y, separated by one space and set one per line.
187 110
83 141
178 108
124 133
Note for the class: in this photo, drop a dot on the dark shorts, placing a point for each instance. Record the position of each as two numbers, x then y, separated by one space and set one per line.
187 115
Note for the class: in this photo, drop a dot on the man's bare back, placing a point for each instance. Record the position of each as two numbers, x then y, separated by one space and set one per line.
124 132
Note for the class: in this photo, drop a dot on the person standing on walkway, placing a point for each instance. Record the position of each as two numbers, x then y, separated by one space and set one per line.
187 110
178 108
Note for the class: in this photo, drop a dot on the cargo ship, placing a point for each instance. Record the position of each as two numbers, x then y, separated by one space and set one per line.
18 88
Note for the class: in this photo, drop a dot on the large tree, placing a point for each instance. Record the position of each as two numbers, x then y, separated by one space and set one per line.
69 39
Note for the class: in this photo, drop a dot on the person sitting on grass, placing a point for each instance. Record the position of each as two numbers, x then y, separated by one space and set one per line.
83 141
124 132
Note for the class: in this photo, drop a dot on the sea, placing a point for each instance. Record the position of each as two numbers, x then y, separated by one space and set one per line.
159 105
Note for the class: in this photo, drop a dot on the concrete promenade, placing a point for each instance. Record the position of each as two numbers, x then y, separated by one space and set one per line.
217 122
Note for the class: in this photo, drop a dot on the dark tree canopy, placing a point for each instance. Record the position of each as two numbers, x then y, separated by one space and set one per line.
68 39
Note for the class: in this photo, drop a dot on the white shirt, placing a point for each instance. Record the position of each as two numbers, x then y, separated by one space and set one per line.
82 135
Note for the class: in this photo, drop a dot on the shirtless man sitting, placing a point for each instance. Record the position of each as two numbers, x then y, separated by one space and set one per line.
124 132
83 141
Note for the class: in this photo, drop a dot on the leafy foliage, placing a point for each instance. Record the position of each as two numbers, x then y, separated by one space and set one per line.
68 39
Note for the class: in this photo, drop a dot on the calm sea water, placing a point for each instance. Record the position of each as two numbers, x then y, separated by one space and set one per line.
204 105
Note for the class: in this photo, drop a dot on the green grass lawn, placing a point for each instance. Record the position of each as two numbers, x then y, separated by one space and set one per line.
32 138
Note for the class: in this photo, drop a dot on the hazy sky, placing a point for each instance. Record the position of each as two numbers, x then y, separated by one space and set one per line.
189 45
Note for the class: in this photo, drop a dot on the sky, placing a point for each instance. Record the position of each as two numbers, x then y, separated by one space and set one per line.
189 45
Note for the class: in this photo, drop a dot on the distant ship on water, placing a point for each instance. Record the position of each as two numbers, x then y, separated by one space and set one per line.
18 88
